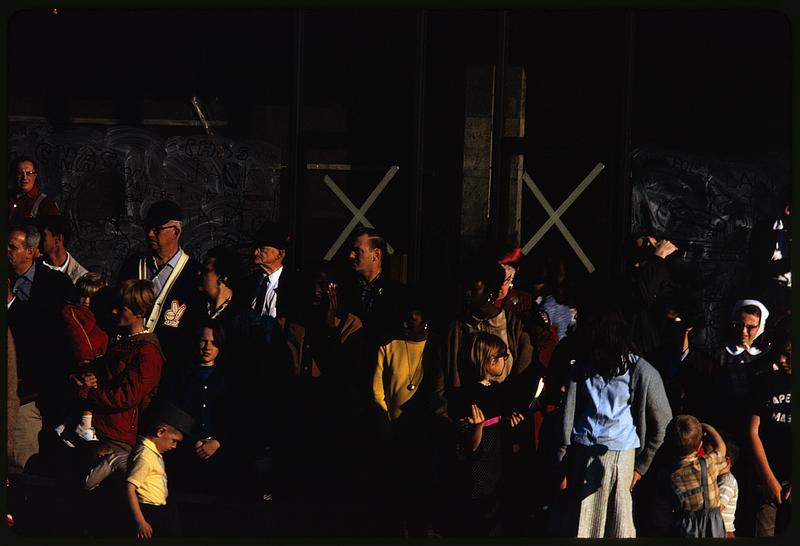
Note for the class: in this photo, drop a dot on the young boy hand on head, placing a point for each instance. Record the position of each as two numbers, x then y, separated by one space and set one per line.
685 436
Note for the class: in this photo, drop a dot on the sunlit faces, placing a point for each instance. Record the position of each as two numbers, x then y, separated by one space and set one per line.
26 176
163 237
745 328
497 364
508 282
208 349
49 241
167 439
124 316
20 257
363 258
268 258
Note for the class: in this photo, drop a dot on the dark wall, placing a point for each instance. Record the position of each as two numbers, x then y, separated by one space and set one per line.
716 83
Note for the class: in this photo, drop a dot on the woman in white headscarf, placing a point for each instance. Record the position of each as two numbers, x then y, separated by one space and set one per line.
717 387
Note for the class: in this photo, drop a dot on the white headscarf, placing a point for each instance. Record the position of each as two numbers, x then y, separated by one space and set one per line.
764 313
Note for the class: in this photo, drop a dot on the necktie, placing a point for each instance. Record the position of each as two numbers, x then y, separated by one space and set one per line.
261 295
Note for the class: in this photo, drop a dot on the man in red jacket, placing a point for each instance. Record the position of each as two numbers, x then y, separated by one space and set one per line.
26 200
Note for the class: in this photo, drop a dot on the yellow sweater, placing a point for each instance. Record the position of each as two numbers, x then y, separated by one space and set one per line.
399 364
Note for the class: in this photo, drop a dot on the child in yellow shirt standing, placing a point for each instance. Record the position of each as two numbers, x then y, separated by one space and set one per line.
147 477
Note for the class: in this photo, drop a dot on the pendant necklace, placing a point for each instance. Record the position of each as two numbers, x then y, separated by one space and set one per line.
212 314
411 384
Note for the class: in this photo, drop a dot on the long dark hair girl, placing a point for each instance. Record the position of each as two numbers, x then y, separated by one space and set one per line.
606 341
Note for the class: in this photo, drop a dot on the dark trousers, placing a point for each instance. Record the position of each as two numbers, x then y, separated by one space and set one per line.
163 519
772 519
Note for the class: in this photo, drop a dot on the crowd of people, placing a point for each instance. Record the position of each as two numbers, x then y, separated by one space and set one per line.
359 406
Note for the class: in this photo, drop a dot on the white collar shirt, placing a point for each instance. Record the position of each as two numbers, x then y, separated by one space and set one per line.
270 303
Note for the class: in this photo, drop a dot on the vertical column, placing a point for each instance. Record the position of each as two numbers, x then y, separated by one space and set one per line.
477 172
515 88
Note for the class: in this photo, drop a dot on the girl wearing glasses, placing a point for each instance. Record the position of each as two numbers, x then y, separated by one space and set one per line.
480 436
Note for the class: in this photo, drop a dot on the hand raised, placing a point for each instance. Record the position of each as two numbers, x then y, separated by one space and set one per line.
515 418
664 248
477 417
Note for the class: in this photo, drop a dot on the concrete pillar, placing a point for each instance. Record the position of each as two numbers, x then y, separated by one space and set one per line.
514 126
477 166
478 118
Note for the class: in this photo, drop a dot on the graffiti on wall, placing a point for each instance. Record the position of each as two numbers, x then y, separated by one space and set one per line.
708 208
104 181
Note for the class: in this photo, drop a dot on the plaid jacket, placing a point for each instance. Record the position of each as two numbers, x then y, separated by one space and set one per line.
686 478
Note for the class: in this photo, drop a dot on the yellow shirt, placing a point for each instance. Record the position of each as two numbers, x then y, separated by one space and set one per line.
399 364
146 471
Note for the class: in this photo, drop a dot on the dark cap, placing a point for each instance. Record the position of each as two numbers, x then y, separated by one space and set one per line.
162 212
170 414
272 234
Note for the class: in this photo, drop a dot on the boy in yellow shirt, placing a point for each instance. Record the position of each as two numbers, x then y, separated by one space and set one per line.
147 476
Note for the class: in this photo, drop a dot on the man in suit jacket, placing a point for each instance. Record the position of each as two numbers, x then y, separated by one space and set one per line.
35 297
42 287
380 300
269 290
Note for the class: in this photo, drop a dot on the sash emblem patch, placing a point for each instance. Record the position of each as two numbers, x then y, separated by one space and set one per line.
172 316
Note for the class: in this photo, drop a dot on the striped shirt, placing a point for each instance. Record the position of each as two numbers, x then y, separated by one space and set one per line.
728 497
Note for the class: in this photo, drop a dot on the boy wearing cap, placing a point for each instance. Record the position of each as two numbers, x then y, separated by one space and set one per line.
147 477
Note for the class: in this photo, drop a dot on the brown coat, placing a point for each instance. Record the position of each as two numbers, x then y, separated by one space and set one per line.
456 351
12 404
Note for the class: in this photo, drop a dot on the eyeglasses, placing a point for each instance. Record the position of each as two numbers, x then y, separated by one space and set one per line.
740 325
26 173
495 358
158 230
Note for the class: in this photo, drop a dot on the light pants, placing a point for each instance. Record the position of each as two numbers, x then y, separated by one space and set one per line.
108 464
26 436
599 483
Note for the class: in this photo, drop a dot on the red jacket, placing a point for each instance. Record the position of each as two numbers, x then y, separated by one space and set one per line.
127 381
85 339
21 207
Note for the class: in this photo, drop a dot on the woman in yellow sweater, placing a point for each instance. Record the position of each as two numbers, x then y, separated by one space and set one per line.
408 388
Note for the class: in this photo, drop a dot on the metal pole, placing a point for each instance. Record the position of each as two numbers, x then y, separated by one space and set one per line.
418 152
498 192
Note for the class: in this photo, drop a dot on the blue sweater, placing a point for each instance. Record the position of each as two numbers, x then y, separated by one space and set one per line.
649 406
